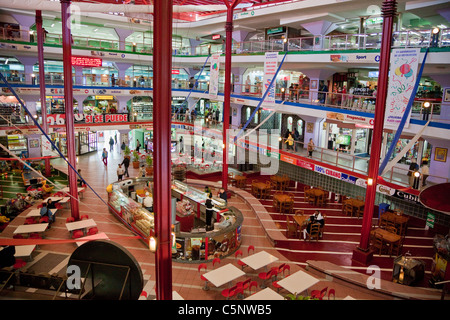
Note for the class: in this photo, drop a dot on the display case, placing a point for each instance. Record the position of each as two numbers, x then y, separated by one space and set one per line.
128 210
408 270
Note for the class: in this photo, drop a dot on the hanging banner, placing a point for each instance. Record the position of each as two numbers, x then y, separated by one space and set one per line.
46 147
270 68
402 78
214 76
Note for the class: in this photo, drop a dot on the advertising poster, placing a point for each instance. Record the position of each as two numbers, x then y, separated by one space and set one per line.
270 68
214 76
402 78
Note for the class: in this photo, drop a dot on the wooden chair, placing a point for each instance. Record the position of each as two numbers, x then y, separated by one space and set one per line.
315 232
231 180
285 183
321 200
291 228
348 209
306 193
299 212
359 212
287 207
378 243
397 247
391 229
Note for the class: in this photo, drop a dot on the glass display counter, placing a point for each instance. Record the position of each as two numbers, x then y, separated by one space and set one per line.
122 203
193 243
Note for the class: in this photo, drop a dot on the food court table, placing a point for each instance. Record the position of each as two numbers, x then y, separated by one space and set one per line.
316 194
279 181
37 213
259 260
31 228
357 205
223 275
300 221
400 221
260 188
280 198
265 294
98 236
298 282
81 224
388 237
240 181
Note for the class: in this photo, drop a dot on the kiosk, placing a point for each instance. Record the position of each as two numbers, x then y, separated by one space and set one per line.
193 243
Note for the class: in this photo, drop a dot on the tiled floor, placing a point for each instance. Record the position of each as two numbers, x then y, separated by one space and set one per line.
185 276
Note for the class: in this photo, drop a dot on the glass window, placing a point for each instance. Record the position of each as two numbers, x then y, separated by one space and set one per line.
289 123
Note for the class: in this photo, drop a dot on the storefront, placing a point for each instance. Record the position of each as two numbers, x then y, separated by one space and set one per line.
15 143
349 138
100 105
85 142
141 108
420 150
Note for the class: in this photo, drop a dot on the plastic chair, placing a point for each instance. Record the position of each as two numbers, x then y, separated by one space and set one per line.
202 266
288 268
44 219
331 292
85 216
216 260
18 236
92 231
70 219
229 292
266 276
316 294
237 254
19 264
77 234
250 248
35 235
244 284
30 221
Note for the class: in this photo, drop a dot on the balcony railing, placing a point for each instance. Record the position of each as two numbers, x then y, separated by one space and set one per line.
401 39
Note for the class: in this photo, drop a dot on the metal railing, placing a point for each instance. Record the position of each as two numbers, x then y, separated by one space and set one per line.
401 39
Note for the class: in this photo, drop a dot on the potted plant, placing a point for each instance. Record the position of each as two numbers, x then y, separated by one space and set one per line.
135 159
127 152
149 165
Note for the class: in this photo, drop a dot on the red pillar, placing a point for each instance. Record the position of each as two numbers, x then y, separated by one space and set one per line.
227 88
40 47
68 102
162 105
362 252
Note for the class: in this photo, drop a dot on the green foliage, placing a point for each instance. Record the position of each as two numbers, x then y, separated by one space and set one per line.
149 161
127 151
135 156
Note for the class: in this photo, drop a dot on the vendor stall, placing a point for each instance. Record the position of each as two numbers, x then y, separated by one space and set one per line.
193 242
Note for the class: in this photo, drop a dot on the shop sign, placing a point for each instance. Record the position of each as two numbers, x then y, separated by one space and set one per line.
275 30
306 165
60 119
430 220
406 196
104 97
216 36
353 57
175 71
288 159
270 69
347 178
86 61
328 172
350 118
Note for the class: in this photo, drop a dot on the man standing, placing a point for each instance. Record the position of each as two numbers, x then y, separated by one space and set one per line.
126 164
105 157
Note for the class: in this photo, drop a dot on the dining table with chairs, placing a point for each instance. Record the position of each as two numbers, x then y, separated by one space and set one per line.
280 182
283 202
315 196
390 240
353 207
395 220
261 189
240 181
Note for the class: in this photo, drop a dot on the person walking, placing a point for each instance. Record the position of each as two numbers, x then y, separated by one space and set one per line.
425 172
111 144
105 157
296 139
126 164
311 147
123 146
413 167
45 211
138 145
120 172
290 142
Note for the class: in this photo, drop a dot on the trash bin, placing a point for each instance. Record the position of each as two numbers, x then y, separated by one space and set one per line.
382 208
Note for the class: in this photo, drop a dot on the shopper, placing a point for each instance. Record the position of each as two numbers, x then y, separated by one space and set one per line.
120 172
209 212
113 80
111 144
105 157
142 171
296 139
425 172
413 167
45 211
290 142
138 145
126 164
311 147
123 146
222 194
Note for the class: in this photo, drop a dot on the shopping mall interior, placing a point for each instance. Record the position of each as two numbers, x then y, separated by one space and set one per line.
224 150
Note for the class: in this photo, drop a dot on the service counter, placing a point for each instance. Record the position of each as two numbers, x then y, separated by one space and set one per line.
193 242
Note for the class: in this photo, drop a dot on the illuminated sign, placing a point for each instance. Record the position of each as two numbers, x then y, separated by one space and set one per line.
86 61
175 71
216 36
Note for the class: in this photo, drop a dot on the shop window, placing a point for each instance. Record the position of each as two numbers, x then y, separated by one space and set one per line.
248 113
300 126
289 123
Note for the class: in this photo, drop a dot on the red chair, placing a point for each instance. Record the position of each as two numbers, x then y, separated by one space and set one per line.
58 206
266 276
58 194
30 221
19 264
216 260
77 234
202 266
92 231
229 292
250 248
85 216
44 219
39 206
35 235
237 254
18 236
70 219
316 294
331 292
276 285
288 268
244 284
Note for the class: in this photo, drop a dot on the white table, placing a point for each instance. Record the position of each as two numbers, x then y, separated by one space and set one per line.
223 275
176 296
67 189
82 224
53 199
266 294
349 298
259 260
30 228
24 251
98 236
37 213
298 282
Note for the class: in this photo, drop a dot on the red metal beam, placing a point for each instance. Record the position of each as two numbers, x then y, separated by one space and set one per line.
162 97
362 253
68 104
